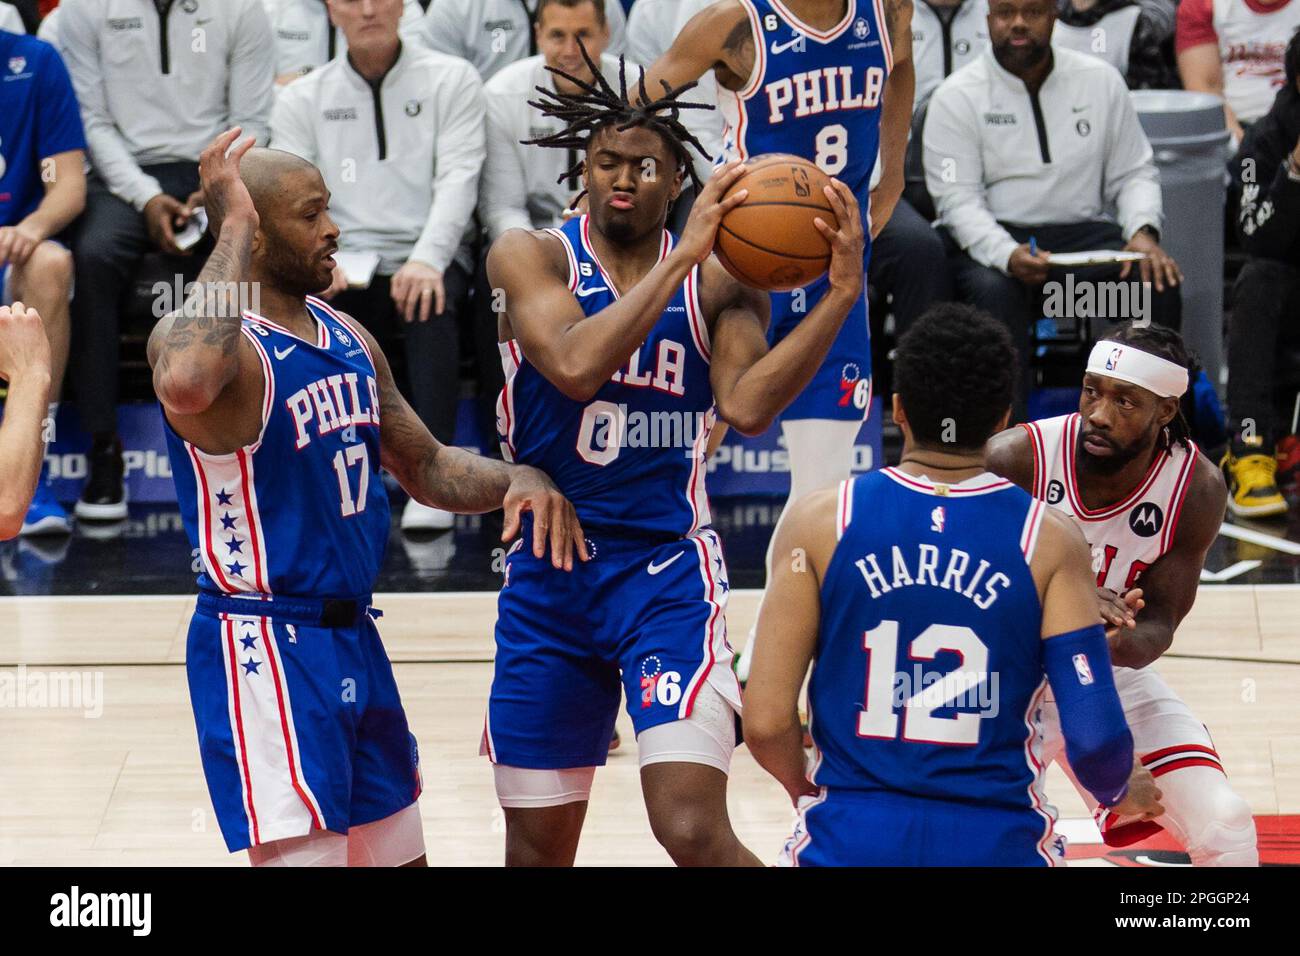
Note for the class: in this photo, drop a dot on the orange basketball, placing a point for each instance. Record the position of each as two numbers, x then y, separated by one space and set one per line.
769 241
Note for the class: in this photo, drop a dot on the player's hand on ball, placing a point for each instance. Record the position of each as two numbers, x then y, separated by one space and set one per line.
846 239
701 229
1143 798
553 517
418 291
225 196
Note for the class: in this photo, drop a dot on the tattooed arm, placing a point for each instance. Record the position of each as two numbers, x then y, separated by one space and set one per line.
442 476
194 351
717 38
896 114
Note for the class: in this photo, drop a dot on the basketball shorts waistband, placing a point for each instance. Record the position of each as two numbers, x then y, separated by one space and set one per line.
309 612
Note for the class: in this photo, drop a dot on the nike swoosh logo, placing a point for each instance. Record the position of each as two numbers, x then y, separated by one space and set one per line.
583 291
281 353
789 44
656 568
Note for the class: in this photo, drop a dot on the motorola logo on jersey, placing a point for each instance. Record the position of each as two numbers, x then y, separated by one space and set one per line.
829 90
1146 520
1055 491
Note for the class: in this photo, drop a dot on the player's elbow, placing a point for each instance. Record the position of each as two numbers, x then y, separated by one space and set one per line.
746 420
185 391
577 383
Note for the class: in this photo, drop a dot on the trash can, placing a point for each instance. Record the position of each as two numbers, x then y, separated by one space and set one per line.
1189 139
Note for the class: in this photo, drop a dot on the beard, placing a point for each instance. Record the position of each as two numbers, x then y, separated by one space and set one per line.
1111 464
1017 59
291 274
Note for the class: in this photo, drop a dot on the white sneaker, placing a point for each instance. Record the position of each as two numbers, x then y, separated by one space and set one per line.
418 517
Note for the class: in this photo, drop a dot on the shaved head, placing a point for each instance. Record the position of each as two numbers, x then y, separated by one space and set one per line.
273 175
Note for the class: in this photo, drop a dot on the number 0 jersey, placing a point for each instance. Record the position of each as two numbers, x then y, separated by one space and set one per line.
1128 537
813 93
928 664
301 511
630 460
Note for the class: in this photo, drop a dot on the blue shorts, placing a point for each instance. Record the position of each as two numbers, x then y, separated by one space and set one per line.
841 387
300 726
649 614
846 828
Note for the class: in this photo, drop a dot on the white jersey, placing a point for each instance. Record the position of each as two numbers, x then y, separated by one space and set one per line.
1127 537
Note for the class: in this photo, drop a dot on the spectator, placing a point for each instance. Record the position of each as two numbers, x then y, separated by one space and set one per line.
1234 49
155 88
1029 143
11 20
49 28
25 366
305 38
1136 37
42 190
651 26
494 33
398 133
1266 297
946 35
521 187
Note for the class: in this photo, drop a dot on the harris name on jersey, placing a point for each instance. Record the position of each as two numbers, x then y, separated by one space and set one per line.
918 566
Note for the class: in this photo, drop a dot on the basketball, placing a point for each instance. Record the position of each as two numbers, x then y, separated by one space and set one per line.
769 241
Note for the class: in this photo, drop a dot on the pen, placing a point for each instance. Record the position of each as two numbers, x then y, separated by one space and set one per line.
1033 246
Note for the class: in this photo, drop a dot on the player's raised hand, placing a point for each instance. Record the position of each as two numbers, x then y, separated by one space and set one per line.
554 519
225 196
701 229
1142 802
24 348
847 241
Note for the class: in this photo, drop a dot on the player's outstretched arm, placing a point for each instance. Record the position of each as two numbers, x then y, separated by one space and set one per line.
1169 586
787 637
895 113
442 476
194 351
579 353
717 36
25 366
752 385
1010 454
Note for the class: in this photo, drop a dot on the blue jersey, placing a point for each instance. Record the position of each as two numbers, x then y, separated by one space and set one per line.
929 658
301 511
813 93
632 458
39 118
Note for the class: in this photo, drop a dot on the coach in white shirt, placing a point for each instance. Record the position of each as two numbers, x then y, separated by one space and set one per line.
397 132
492 34
155 85
521 186
305 39
1029 142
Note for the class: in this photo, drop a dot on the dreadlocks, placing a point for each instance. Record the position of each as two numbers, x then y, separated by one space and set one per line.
597 105
1168 345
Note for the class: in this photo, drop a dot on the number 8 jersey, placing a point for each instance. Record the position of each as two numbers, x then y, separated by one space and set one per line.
302 511
812 93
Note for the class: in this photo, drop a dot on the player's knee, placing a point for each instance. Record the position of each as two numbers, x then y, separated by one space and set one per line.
1226 835
50 267
691 836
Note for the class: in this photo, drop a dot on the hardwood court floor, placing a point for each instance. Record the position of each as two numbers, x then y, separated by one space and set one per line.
125 787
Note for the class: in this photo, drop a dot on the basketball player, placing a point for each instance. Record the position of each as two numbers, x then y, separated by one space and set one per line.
832 81
932 599
1150 504
277 425
622 345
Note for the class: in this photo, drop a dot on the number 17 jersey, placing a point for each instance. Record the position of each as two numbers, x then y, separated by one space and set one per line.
813 93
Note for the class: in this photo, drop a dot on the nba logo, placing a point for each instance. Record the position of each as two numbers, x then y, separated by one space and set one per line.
1081 669
860 28
937 517
1112 360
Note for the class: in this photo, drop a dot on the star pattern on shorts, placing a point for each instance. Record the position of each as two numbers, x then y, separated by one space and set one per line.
235 545
223 497
248 642
236 569
227 522
251 666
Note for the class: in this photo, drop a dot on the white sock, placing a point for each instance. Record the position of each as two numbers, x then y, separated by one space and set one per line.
821 456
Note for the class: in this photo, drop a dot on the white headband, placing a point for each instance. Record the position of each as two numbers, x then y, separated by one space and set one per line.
1128 364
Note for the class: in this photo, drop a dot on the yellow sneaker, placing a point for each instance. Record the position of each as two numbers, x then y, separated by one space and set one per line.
1252 486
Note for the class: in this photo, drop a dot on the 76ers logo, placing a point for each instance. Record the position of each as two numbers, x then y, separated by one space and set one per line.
853 387
659 685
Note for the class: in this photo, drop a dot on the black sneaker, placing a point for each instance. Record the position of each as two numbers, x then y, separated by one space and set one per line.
104 497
